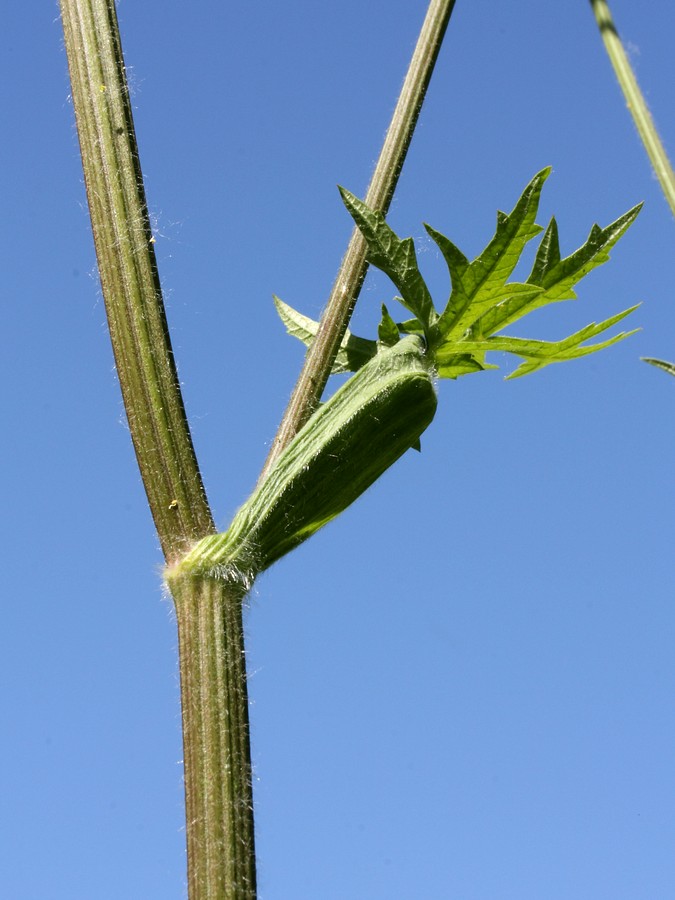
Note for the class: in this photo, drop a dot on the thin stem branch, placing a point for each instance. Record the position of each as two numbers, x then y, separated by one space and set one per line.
129 278
321 356
635 100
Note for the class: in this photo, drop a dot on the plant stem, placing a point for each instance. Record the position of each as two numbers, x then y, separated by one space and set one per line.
129 278
635 100
219 810
221 861
220 838
321 355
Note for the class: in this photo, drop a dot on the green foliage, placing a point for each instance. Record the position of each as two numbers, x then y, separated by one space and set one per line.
482 301
383 409
354 351
397 259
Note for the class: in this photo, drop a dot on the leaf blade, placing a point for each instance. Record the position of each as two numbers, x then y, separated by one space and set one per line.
476 286
557 276
395 257
353 352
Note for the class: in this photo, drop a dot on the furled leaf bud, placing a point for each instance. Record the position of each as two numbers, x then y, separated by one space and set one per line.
345 446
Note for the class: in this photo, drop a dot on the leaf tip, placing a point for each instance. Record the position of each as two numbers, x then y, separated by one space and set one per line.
347 197
659 364
633 213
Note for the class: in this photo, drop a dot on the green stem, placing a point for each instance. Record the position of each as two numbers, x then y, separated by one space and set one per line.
321 356
635 101
129 279
221 861
220 839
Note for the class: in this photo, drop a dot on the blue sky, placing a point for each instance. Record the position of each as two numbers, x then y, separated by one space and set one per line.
464 686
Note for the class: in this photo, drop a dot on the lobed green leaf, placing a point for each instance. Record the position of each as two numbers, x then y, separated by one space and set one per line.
555 276
482 301
538 354
387 330
452 365
479 285
353 353
395 257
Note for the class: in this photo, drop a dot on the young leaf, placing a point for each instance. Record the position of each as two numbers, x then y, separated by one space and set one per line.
555 276
482 300
387 330
410 326
395 257
452 365
537 354
477 286
354 351
542 353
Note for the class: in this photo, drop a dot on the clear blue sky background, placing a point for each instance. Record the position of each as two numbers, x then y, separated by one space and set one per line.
463 688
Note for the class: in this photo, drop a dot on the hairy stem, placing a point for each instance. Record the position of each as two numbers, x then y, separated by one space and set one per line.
221 861
321 356
220 838
128 271
635 101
